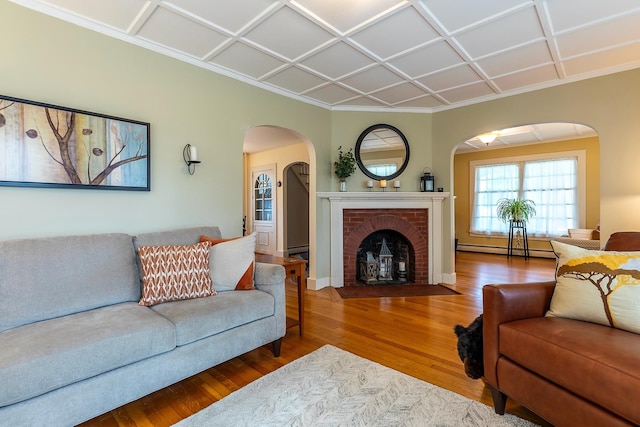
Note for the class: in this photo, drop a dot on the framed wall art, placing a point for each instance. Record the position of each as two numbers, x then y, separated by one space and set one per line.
45 145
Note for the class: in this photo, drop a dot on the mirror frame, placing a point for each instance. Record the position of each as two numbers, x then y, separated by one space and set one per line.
360 163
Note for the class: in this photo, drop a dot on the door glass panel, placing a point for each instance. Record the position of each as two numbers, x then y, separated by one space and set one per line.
262 195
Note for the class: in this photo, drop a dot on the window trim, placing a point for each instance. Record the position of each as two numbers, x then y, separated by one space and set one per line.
580 155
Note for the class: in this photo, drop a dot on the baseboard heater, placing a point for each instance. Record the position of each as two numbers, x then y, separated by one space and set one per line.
502 250
297 249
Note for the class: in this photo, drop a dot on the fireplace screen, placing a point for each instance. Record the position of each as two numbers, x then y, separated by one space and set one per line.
384 257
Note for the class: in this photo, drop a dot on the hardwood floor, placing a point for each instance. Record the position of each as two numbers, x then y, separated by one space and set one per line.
413 335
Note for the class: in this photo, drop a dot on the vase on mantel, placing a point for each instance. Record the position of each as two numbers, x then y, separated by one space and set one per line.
343 184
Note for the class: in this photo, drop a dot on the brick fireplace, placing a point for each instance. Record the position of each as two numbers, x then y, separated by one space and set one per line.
412 224
415 215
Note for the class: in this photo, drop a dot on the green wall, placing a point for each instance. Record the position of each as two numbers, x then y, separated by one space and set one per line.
51 61
347 127
55 62
609 104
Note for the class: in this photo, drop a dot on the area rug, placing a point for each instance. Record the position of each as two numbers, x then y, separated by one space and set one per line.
381 291
332 387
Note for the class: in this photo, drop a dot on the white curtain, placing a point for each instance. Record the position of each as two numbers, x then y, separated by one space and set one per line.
553 186
492 183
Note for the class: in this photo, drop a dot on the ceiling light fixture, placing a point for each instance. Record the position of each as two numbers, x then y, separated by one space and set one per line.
487 138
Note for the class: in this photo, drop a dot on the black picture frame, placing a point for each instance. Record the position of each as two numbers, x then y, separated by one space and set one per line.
45 145
384 129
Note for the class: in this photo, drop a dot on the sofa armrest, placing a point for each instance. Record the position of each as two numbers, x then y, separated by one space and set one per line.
506 303
270 278
269 274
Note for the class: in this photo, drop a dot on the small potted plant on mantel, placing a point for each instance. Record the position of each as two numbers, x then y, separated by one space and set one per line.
344 167
516 210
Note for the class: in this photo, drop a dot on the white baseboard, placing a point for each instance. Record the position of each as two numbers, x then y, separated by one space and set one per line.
449 278
318 283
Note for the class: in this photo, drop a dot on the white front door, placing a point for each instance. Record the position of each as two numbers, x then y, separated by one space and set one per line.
263 207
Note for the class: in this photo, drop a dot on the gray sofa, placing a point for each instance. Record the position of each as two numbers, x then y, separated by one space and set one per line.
74 343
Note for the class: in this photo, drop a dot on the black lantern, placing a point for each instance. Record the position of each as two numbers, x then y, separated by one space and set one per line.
427 181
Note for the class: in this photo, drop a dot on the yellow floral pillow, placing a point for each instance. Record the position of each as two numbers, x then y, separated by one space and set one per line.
597 286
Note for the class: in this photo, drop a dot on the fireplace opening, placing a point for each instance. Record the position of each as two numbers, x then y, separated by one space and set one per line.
410 223
385 257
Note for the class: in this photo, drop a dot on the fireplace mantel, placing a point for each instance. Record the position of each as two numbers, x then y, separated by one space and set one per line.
386 200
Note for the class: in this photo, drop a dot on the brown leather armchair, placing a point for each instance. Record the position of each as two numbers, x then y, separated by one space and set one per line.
623 241
569 372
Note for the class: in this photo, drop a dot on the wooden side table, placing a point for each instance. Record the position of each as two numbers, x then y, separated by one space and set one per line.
295 268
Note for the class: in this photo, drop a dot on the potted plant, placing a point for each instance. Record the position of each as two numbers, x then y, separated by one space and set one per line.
345 166
515 209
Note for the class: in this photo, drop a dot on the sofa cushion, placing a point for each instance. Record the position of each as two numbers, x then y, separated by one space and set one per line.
174 272
597 286
199 318
232 262
44 356
51 277
595 362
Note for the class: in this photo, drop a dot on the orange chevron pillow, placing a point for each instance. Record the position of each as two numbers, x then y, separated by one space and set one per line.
172 273
232 262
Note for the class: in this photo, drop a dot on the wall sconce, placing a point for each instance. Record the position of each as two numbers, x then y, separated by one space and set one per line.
190 155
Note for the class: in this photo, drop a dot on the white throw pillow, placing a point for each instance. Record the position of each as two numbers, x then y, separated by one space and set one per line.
232 263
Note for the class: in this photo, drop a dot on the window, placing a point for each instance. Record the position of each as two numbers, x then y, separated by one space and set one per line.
383 167
555 182
262 196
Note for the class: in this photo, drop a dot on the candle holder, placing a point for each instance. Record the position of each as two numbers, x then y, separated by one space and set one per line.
402 271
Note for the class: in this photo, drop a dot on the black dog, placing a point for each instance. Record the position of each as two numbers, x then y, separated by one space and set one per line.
470 347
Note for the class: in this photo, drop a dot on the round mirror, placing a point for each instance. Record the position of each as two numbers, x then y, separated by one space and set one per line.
382 152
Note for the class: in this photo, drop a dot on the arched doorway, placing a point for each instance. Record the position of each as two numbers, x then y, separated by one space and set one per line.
518 146
296 209
284 148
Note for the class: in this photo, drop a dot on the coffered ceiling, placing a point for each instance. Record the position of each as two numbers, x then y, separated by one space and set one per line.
529 134
401 55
